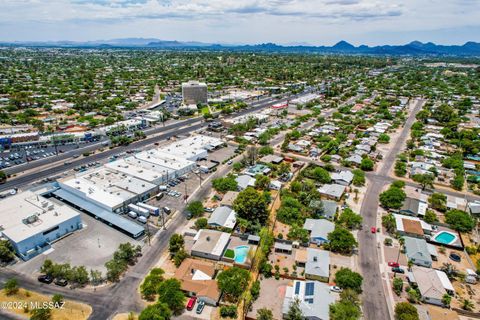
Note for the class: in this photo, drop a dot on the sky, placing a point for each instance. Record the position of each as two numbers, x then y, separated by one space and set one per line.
315 22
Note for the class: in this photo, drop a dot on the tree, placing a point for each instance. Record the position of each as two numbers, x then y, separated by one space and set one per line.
341 240
262 182
367 164
392 198
398 286
96 277
170 293
233 282
195 208
425 179
157 311
11 287
3 176
6 251
388 221
228 311
438 201
321 175
57 299
430 217
255 290
467 305
294 312
358 178
264 314
41 314
350 219
400 168
406 311
176 243
446 300
151 284
179 257
201 223
78 275
459 220
383 138
344 310
251 205
225 184
346 278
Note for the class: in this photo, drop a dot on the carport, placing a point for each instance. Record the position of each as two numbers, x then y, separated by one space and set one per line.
112 219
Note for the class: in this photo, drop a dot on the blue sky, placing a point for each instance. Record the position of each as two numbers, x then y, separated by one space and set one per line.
317 22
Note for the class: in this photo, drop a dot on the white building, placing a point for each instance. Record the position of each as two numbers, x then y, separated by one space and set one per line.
32 222
193 148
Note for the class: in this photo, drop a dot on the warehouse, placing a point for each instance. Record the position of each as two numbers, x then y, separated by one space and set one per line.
32 222
193 148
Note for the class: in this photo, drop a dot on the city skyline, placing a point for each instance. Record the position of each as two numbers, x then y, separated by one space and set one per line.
286 22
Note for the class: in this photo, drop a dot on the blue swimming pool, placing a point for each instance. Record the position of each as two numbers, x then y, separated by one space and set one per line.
241 253
445 237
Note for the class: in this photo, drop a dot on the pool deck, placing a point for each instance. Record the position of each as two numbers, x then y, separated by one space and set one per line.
237 242
457 243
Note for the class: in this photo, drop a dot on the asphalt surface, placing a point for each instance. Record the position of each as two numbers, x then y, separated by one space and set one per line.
374 299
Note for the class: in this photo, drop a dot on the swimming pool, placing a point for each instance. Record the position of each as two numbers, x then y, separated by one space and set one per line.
445 237
241 253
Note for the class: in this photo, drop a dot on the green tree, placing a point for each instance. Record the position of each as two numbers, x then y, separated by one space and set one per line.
294 312
344 310
358 178
383 138
438 201
446 300
459 220
3 176
430 217
341 240
389 223
57 299
467 305
179 257
425 179
195 208
228 311
225 184
41 314
392 198
321 175
157 311
367 164
264 314
201 223
406 311
400 168
170 293
349 219
6 251
397 285
151 284
346 278
233 282
262 182
11 287
251 205
176 243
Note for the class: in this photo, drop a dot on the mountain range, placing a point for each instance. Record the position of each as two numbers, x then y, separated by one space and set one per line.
415 48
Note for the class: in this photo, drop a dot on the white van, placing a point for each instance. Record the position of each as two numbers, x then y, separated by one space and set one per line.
162 188
142 219
132 215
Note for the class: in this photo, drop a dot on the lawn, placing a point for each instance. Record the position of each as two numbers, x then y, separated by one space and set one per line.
70 311
229 254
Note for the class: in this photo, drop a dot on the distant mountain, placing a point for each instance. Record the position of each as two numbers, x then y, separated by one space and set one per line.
414 48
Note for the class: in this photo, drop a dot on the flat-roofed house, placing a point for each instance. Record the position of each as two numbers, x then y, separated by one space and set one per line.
210 244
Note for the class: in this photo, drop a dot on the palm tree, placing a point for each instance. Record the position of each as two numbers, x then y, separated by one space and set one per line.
467 305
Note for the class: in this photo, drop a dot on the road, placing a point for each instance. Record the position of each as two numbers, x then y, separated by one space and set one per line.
374 299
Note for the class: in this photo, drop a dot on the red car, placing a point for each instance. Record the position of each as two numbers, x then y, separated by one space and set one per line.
373 229
393 264
191 303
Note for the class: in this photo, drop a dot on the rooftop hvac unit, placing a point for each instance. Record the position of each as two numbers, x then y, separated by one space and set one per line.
44 204
50 207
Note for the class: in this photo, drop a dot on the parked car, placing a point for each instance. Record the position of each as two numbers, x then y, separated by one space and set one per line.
200 307
61 282
373 230
45 278
167 210
393 264
229 162
191 303
336 289
398 270
209 209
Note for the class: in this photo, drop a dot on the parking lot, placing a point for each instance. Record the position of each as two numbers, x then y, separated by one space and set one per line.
91 247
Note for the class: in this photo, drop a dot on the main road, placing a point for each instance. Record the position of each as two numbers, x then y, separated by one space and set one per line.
375 304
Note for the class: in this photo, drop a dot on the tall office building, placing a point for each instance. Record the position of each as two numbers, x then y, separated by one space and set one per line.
194 92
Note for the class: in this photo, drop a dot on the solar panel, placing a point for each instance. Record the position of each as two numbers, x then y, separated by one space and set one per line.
297 288
309 288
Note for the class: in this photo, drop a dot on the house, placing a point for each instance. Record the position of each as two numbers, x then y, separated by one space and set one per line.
283 247
456 203
357 159
318 229
223 217
228 198
245 181
196 278
210 244
414 207
332 191
412 226
343 177
474 208
271 159
418 252
432 284
324 208
275 185
317 266
314 299
295 148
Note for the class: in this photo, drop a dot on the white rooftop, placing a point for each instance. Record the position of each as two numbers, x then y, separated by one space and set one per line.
42 215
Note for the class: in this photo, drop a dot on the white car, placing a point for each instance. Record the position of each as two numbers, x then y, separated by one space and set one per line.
229 162
335 289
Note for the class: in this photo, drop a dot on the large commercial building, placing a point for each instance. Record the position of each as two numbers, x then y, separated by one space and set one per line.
194 92
193 148
31 222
